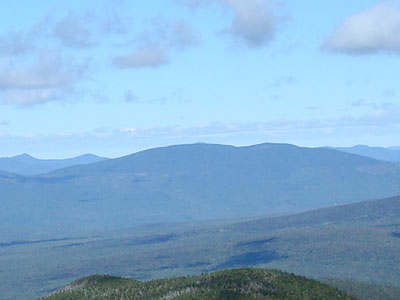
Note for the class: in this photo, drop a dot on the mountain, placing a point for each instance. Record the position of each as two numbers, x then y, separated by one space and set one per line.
223 285
188 183
25 164
388 154
355 242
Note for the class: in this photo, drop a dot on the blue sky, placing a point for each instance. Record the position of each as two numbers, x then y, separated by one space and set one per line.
116 77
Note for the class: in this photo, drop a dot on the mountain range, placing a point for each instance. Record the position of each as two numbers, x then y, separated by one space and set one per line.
25 164
189 183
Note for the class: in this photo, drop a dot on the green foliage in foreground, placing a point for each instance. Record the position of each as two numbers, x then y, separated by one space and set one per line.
240 284
366 291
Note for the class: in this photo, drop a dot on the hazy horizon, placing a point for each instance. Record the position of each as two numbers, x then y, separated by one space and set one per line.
58 157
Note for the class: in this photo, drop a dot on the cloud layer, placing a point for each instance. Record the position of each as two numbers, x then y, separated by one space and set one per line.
376 29
381 122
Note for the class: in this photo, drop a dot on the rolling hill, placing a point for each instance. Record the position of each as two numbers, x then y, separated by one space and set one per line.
189 183
254 284
25 164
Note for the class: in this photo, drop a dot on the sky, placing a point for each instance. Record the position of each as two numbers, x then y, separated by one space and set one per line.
115 77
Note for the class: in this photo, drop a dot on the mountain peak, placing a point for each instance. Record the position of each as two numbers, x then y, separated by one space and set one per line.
24 156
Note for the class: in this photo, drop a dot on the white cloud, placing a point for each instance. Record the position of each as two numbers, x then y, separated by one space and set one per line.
254 22
373 30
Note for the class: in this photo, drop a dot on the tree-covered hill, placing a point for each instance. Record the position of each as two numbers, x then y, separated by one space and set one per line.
235 284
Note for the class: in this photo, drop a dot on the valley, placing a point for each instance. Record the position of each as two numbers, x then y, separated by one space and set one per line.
354 242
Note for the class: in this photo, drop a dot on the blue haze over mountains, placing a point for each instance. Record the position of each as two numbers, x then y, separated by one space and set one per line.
189 183
25 164
381 153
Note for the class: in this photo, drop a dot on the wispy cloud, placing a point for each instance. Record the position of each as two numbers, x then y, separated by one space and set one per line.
150 56
374 30
382 122
15 43
75 30
389 93
283 81
115 19
374 106
130 97
89 29
34 66
156 45
175 96
50 77
383 117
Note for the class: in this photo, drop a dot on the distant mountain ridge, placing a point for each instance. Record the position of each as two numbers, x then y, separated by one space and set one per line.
388 154
27 165
193 182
